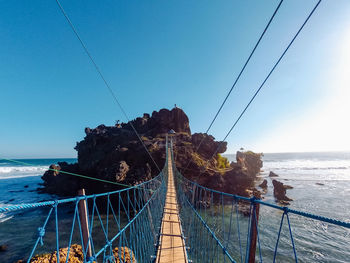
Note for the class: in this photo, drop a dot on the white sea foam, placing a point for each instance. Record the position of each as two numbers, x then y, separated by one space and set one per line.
8 172
3 216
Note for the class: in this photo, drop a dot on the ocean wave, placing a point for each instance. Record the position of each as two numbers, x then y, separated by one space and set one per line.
4 218
312 168
7 172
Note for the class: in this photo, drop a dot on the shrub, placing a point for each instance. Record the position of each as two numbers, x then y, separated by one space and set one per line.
222 162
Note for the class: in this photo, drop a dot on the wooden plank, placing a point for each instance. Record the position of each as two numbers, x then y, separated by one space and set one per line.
172 245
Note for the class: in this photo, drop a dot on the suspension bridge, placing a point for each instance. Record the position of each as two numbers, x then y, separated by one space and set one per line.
167 219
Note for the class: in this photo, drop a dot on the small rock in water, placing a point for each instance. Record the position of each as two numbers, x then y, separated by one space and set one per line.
9 201
319 183
282 202
279 191
3 248
26 186
263 184
272 174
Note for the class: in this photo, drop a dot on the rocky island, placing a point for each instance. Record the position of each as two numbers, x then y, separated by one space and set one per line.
114 153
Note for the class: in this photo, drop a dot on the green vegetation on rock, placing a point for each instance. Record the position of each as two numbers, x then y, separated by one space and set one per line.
222 162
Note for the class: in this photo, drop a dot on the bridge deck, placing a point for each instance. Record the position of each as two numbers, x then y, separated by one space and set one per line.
172 245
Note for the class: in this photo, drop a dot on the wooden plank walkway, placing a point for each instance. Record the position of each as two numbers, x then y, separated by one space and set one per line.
172 245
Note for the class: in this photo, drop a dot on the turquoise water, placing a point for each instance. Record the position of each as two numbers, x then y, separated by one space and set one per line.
315 241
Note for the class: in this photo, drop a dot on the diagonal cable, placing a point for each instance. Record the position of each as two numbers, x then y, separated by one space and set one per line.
237 78
69 173
267 77
104 79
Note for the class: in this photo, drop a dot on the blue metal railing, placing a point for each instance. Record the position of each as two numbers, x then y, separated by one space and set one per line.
129 222
213 224
218 226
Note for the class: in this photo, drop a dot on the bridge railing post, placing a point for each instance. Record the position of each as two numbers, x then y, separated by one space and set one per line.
253 231
84 224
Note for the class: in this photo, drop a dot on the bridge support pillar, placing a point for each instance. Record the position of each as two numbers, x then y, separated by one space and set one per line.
253 232
84 224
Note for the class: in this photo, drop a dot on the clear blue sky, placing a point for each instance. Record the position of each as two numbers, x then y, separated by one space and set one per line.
158 53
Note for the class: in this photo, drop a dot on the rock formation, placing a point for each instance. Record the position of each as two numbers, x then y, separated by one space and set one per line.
279 191
263 184
272 174
3 248
114 153
76 255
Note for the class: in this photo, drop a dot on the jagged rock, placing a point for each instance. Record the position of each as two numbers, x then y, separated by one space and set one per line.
272 174
119 171
249 161
125 255
76 255
114 153
208 145
279 191
263 184
61 183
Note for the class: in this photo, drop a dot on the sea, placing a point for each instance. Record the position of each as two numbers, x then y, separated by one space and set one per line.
320 181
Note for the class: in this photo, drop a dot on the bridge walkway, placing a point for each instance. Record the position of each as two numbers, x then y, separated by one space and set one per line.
171 247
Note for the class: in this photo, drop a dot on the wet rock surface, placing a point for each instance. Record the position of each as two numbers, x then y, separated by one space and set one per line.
263 184
279 191
272 174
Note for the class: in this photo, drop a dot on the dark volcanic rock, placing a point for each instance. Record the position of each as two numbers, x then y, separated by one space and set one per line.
208 145
272 174
56 182
279 191
263 184
114 153
3 248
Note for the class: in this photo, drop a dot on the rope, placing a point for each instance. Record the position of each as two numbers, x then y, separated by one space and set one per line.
203 220
132 236
69 173
263 83
12 208
206 235
237 78
104 79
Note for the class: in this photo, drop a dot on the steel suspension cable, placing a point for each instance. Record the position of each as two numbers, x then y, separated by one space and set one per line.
237 78
104 79
267 77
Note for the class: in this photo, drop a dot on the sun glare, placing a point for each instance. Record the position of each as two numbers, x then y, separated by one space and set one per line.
325 127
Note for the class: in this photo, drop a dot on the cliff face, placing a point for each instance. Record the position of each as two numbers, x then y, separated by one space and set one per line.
114 153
